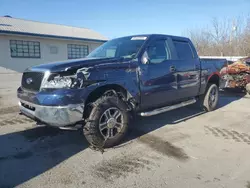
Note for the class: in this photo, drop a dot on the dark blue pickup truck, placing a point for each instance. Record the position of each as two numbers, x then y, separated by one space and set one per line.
143 74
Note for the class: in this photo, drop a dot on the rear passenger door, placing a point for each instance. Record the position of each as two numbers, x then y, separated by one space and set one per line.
187 69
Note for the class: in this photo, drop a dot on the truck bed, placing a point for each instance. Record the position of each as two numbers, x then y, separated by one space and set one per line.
214 66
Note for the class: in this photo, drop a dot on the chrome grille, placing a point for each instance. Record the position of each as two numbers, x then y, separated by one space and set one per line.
32 80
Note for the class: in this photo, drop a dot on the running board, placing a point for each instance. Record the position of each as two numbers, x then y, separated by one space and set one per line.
168 108
71 128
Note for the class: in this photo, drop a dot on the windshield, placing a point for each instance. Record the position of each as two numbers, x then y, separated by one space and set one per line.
126 47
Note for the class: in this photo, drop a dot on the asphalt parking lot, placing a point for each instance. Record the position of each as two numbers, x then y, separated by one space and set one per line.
181 148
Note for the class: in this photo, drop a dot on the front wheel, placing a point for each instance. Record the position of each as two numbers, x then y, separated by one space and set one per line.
107 123
209 100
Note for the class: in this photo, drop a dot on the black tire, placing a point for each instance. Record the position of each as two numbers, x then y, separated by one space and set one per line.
208 102
91 129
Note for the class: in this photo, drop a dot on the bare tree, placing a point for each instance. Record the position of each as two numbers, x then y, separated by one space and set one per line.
223 38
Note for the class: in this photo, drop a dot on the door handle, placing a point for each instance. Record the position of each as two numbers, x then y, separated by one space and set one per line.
172 68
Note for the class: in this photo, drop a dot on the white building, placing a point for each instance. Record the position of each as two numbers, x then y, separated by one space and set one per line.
25 43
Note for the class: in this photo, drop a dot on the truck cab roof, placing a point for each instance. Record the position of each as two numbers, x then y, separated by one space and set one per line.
158 35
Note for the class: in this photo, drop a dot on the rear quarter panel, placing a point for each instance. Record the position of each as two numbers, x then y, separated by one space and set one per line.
210 67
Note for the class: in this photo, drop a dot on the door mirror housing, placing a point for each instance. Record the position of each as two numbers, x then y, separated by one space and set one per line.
145 59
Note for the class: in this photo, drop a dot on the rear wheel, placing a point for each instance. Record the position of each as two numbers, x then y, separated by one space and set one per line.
107 123
248 88
209 100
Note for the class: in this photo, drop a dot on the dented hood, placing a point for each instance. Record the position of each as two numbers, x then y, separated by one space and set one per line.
75 64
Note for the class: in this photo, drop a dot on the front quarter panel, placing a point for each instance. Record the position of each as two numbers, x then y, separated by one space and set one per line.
123 74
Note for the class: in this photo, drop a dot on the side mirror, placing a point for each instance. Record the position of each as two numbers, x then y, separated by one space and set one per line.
145 59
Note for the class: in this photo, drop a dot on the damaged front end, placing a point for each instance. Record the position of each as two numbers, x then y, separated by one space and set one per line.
57 100
68 79
236 74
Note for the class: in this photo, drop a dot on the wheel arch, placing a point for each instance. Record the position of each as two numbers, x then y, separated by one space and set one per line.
99 91
214 79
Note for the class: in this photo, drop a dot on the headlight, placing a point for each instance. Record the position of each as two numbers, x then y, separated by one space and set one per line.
59 82
67 80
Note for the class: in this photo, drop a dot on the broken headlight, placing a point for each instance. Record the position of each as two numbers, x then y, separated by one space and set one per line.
58 81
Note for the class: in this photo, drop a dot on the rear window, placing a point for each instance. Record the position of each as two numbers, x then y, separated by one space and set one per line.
183 50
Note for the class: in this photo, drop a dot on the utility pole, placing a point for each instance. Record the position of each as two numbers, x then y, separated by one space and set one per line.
232 37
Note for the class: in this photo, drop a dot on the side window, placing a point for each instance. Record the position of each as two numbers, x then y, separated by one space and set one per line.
110 52
183 50
158 51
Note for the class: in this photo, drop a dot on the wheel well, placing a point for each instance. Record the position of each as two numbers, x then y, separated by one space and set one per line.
215 79
97 93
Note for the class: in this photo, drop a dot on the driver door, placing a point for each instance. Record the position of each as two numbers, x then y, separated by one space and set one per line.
158 77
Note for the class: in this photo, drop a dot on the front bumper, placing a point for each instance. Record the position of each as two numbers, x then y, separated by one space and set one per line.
57 116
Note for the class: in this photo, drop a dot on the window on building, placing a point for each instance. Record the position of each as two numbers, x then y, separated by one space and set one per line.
77 51
25 49
183 50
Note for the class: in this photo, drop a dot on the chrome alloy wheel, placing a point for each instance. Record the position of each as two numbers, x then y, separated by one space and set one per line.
111 122
212 96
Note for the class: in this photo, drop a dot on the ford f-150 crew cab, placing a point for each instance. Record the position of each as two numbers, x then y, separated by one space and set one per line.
143 75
